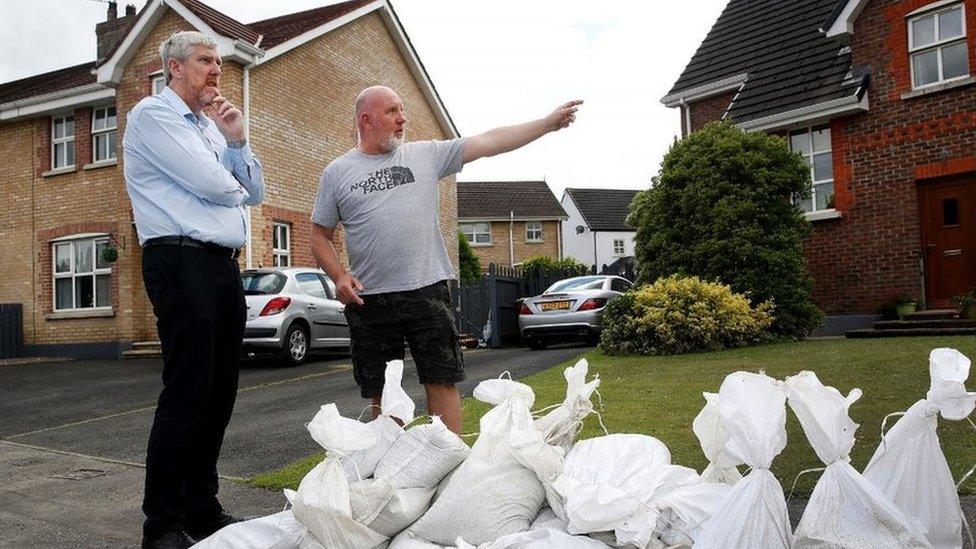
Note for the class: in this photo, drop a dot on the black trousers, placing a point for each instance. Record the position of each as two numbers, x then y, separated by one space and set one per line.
199 305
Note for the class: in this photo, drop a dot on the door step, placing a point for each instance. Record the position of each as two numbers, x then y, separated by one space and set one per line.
144 349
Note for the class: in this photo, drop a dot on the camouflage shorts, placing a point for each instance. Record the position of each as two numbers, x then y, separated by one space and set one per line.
421 317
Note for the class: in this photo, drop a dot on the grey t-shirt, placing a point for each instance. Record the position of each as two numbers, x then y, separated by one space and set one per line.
389 206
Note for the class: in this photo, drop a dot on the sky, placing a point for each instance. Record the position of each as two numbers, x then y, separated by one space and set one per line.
493 62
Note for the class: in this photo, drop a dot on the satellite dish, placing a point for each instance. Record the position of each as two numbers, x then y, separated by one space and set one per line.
580 229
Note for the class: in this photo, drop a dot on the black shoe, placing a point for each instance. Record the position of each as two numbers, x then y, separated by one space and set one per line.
174 539
199 530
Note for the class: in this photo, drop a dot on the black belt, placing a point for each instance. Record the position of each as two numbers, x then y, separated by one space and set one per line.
223 251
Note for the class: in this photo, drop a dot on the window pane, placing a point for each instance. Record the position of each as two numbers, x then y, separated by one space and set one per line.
824 193
286 261
62 294
58 155
821 139
806 204
58 128
950 212
111 145
69 126
800 142
923 31
101 141
102 293
276 237
482 238
950 24
99 262
98 122
69 153
926 67
84 292
62 258
955 60
482 227
112 119
83 256
823 168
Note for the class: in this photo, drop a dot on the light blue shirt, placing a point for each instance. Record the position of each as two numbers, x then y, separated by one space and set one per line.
182 178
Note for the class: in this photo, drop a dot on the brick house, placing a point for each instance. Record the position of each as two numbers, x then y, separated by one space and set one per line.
509 222
295 77
878 96
596 232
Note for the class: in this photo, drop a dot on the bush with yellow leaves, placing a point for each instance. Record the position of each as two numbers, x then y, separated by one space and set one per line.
676 315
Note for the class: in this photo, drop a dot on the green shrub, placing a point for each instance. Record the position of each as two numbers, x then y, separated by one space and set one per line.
720 209
676 315
470 266
545 265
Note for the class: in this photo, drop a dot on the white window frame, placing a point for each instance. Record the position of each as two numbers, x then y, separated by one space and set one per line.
104 131
471 231
63 140
808 131
938 45
157 84
533 231
72 275
621 249
281 255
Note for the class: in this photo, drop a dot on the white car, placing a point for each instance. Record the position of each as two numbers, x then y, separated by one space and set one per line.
291 311
569 309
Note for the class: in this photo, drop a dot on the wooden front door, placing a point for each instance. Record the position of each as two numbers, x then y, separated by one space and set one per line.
948 210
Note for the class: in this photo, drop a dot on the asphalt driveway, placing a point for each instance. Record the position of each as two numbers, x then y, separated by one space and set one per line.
73 436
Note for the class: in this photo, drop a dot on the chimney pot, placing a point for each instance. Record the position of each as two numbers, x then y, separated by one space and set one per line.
113 11
130 9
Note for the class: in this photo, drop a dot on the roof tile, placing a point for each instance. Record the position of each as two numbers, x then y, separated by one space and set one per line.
604 209
490 199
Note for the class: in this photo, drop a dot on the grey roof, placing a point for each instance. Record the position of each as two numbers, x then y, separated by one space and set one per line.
778 43
490 199
604 209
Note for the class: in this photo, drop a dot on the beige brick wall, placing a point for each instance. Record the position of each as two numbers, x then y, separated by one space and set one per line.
302 117
17 245
499 252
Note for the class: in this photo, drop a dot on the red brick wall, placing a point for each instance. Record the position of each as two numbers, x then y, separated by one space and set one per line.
301 231
874 251
45 278
707 110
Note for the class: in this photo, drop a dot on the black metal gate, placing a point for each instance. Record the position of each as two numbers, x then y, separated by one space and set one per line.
11 330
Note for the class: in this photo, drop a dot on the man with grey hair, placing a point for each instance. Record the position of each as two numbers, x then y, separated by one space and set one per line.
190 173
386 195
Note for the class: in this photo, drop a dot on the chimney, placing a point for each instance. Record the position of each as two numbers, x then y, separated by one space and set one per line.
111 31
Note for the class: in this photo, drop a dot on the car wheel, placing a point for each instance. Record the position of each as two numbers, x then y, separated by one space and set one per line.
296 345
536 343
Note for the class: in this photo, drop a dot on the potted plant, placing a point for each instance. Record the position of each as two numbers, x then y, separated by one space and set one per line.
966 303
110 253
905 306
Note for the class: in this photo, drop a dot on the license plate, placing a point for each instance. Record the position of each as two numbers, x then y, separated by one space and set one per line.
554 306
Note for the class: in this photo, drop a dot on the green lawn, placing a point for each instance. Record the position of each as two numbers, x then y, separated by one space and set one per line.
660 396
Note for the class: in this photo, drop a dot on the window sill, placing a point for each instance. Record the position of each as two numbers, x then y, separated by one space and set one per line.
822 215
938 88
479 245
59 171
535 241
101 164
82 313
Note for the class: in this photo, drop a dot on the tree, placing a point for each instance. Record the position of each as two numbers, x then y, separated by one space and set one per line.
543 265
721 209
470 266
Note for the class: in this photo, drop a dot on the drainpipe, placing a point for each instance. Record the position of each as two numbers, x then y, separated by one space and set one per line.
686 108
595 264
247 135
511 238
559 238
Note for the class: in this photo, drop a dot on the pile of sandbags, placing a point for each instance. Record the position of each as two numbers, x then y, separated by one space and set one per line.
527 484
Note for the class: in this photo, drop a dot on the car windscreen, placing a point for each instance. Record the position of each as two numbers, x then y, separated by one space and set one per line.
582 283
262 283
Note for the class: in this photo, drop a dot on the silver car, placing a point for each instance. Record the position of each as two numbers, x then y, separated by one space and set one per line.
292 310
569 309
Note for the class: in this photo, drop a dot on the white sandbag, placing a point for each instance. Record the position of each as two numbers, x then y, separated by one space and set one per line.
322 501
422 456
686 509
407 540
394 403
714 437
845 509
491 494
909 466
532 451
619 483
278 531
753 410
561 425
386 509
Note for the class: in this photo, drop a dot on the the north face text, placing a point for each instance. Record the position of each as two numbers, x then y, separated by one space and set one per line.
385 179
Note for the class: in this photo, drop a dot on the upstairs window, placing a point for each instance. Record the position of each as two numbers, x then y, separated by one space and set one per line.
477 233
814 145
281 245
533 231
618 246
937 46
158 83
104 130
62 142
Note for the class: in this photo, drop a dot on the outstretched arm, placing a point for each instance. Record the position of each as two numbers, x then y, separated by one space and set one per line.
508 138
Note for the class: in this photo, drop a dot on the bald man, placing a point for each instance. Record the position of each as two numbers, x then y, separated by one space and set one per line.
385 193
